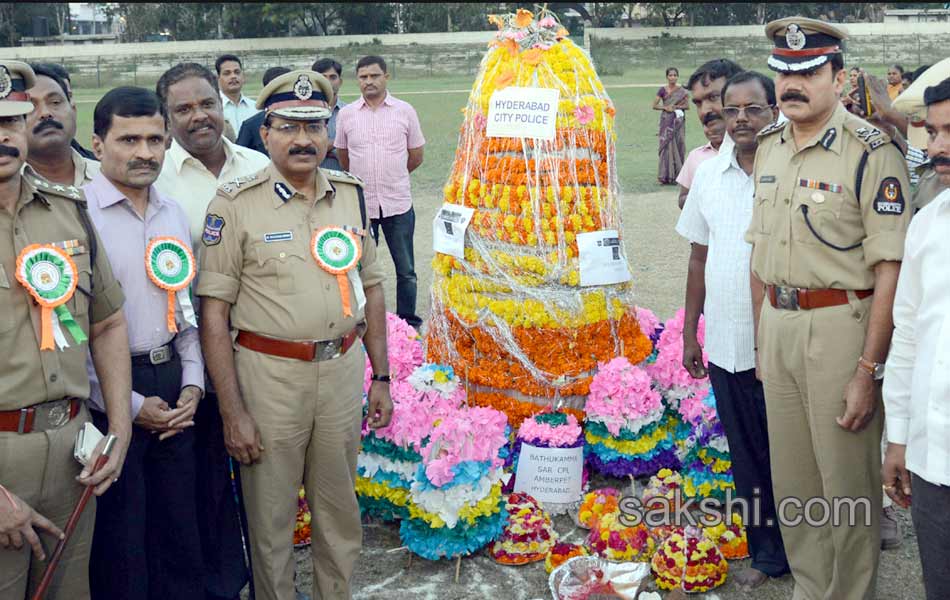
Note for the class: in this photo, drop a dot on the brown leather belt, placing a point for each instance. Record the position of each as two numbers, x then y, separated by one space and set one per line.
40 417
306 351
789 298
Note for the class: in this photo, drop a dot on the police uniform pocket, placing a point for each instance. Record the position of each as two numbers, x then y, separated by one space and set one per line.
817 216
276 263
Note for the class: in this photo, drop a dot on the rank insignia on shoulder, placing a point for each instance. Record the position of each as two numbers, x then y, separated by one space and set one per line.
283 191
211 236
890 198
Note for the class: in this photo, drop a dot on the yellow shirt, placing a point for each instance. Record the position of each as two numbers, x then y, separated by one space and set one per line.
257 255
814 193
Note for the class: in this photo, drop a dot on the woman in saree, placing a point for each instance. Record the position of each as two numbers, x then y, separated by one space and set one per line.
673 100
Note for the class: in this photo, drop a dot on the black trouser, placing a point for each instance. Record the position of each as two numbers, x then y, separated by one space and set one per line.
221 516
740 402
145 545
931 512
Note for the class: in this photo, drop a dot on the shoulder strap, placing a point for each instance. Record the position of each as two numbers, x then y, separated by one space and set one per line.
859 176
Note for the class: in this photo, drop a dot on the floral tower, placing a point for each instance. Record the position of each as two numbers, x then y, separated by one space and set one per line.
523 316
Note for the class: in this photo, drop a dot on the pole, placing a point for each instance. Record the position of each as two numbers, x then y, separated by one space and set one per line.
73 521
98 72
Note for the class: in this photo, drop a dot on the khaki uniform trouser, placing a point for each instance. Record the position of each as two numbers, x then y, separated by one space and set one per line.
309 415
40 469
807 358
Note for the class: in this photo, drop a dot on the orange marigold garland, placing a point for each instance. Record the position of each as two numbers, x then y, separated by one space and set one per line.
511 317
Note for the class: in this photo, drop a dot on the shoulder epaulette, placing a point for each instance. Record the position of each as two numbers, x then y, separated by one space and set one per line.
239 184
47 187
342 177
773 128
867 134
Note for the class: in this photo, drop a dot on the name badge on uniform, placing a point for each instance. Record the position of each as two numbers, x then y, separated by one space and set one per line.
767 179
279 236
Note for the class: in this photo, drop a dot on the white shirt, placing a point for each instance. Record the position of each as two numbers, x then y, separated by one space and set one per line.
237 113
917 375
188 181
717 213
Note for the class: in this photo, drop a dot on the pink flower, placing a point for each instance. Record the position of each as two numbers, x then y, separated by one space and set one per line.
584 114
668 372
548 22
621 395
479 122
542 46
647 320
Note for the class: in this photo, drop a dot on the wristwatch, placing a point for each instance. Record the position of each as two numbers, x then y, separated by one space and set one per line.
381 378
874 369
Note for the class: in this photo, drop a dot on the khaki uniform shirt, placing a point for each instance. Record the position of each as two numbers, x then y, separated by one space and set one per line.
84 170
257 255
827 190
47 213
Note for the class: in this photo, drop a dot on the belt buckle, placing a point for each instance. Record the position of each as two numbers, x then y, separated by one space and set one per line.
159 356
50 415
328 350
786 298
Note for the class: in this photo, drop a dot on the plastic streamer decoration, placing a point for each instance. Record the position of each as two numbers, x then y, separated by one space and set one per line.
627 429
51 277
170 264
336 251
511 317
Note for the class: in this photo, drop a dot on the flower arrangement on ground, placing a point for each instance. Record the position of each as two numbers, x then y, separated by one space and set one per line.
690 561
511 315
562 552
731 538
547 429
612 539
596 504
528 534
625 429
456 504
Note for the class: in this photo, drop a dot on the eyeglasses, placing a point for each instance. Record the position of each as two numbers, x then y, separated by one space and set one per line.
313 129
753 111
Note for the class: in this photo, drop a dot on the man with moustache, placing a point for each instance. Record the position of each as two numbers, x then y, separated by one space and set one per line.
199 160
61 72
917 385
379 139
43 379
705 87
52 127
145 543
714 220
236 106
289 283
831 211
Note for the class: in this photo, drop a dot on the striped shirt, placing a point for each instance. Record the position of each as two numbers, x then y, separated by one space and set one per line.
717 214
377 141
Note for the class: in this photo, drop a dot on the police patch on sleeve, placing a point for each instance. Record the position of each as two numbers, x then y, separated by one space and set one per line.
890 198
211 236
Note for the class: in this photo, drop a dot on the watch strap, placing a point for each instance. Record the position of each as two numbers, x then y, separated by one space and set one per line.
382 378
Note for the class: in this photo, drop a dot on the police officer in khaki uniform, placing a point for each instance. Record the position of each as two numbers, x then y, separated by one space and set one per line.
828 225
288 263
43 379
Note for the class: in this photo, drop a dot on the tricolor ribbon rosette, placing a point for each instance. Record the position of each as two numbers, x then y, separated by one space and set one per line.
337 251
170 265
51 277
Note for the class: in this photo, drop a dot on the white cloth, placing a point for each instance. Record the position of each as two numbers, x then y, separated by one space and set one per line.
917 375
717 213
188 181
237 113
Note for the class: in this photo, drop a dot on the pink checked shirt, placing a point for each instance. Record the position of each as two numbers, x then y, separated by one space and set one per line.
378 142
